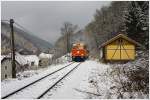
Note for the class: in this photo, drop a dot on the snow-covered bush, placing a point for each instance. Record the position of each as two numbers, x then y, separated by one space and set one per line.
133 77
63 59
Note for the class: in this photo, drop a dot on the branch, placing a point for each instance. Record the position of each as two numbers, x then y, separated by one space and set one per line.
87 92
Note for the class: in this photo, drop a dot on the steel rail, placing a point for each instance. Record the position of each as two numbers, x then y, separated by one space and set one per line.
39 97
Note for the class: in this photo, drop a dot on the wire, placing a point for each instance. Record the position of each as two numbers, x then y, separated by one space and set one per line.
24 29
5 20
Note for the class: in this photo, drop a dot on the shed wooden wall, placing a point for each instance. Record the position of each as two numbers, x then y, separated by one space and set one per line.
120 49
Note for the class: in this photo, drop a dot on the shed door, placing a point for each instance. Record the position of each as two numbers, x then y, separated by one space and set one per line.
120 49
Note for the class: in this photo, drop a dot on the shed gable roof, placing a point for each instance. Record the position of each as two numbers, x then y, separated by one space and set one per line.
120 36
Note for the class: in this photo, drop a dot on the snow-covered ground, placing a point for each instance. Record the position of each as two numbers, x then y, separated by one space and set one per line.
91 80
9 85
38 88
79 84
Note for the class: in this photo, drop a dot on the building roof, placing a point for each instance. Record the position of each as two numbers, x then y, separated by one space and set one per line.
120 36
22 59
8 58
19 58
3 56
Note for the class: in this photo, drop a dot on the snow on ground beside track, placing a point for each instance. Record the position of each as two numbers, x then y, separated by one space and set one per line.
44 84
78 84
8 86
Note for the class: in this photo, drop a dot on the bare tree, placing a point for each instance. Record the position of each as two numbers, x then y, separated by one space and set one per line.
67 30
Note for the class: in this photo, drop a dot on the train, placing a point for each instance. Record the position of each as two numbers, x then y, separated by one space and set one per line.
79 52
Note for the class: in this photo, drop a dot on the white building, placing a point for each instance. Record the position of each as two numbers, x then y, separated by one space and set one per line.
45 59
32 60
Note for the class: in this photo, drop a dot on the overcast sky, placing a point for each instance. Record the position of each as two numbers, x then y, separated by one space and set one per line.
44 19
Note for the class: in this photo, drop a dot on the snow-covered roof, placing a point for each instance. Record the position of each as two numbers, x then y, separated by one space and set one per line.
44 55
120 36
18 58
3 56
23 59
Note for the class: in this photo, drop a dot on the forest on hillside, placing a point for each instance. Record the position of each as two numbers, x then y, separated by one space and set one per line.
128 17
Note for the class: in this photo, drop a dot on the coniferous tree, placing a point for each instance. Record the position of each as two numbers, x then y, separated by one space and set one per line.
136 21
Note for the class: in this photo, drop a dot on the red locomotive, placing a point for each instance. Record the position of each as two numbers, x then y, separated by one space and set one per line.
79 52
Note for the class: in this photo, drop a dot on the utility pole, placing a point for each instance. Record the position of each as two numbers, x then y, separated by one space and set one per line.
68 42
13 49
67 46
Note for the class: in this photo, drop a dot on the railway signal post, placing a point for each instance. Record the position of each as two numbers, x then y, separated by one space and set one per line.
13 49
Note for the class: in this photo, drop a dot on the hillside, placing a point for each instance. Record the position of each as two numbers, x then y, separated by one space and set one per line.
24 42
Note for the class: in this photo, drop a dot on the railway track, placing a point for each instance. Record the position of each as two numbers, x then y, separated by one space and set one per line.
39 97
45 79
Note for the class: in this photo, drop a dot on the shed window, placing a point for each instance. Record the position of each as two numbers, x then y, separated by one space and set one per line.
120 40
5 67
5 75
40 63
32 63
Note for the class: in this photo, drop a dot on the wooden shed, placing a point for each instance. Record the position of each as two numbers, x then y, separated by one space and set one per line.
119 48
